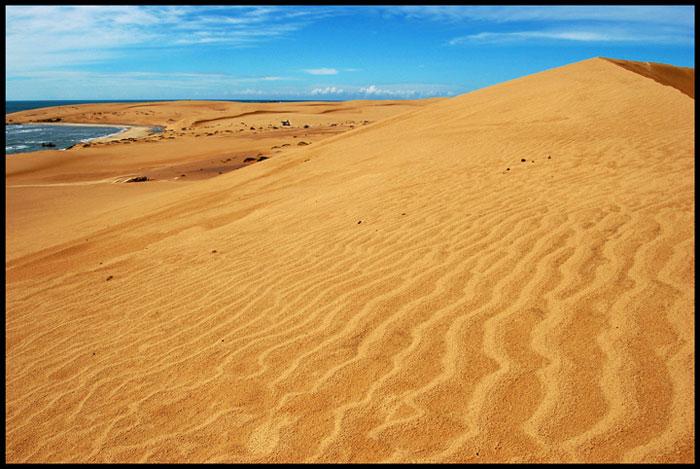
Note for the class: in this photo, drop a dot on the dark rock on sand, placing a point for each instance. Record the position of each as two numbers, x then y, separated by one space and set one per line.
138 179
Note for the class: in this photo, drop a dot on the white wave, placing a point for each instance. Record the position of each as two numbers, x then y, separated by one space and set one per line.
23 131
121 130
15 147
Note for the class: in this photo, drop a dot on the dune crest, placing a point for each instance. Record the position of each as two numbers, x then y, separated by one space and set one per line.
681 78
503 276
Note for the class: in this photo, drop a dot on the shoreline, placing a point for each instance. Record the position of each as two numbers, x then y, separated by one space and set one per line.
126 131
71 124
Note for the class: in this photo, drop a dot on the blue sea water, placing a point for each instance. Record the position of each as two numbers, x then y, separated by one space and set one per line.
29 137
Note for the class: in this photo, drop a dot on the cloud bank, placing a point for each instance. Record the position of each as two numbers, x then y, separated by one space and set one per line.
321 71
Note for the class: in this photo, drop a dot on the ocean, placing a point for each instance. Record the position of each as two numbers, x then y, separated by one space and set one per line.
29 137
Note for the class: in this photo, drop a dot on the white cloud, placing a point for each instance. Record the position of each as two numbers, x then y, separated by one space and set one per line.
178 85
371 89
174 76
607 34
408 91
101 85
399 91
600 23
321 71
669 15
327 91
44 37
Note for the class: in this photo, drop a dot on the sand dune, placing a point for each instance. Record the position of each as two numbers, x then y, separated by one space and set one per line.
504 276
42 187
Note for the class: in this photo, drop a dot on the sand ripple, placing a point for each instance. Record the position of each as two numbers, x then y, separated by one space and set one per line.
392 294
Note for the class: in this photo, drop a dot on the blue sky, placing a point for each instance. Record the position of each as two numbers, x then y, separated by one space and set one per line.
319 52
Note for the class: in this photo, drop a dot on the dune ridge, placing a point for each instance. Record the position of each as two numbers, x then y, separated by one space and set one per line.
681 78
504 276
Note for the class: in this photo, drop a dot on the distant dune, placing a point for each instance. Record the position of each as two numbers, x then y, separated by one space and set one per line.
503 276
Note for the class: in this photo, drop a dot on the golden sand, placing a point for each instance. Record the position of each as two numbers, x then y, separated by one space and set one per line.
504 276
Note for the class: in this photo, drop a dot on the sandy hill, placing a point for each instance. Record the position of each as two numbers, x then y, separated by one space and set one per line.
190 117
62 191
502 276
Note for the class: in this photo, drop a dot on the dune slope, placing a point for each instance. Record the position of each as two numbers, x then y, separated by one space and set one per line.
505 276
55 195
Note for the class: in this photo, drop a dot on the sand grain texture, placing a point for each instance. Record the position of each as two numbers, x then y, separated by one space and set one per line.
476 314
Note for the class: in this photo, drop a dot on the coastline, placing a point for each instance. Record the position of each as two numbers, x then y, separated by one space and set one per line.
126 130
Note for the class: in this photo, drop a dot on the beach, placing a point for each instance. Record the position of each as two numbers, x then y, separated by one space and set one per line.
502 276
127 131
